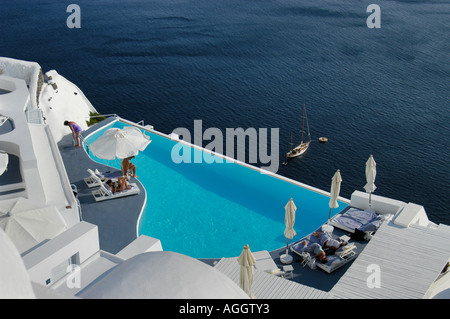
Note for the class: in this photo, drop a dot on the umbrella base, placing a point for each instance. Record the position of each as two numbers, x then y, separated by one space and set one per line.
327 229
286 259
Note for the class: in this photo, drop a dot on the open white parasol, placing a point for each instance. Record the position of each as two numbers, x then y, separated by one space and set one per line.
27 223
120 143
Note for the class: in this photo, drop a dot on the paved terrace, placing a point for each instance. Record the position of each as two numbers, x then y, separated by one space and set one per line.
116 218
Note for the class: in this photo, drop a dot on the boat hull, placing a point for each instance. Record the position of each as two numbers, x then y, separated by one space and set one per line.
297 151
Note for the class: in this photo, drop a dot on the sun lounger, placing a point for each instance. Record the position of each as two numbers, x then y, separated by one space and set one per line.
93 180
363 220
335 262
342 256
105 193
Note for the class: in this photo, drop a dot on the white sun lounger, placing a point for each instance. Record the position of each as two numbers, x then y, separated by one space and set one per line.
356 219
335 262
93 180
342 256
104 192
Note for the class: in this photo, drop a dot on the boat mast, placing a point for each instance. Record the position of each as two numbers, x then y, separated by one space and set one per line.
307 125
291 142
303 122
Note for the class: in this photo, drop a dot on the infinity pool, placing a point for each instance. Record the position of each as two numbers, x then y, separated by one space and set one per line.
213 210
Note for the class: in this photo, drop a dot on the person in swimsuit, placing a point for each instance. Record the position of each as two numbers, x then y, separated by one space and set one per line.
118 186
128 166
316 250
76 129
327 241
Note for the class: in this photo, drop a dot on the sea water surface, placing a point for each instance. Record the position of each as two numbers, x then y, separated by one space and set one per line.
255 63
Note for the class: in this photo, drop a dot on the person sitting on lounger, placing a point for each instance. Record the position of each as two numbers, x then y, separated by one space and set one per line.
118 186
316 250
326 240
128 166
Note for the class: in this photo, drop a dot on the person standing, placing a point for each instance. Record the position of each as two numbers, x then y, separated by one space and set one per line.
76 129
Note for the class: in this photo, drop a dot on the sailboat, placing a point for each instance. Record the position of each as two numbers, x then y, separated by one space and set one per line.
303 146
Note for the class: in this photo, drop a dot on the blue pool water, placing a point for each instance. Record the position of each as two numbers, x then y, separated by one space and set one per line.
213 210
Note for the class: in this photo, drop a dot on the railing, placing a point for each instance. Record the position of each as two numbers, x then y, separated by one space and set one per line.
75 193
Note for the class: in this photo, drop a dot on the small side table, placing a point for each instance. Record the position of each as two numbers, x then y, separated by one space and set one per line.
345 238
288 271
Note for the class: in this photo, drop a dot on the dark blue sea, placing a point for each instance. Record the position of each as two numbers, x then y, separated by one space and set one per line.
255 63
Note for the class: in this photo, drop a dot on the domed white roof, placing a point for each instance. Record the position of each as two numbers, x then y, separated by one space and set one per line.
444 294
14 279
165 275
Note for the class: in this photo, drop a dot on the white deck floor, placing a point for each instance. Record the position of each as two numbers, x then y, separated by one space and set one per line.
405 270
